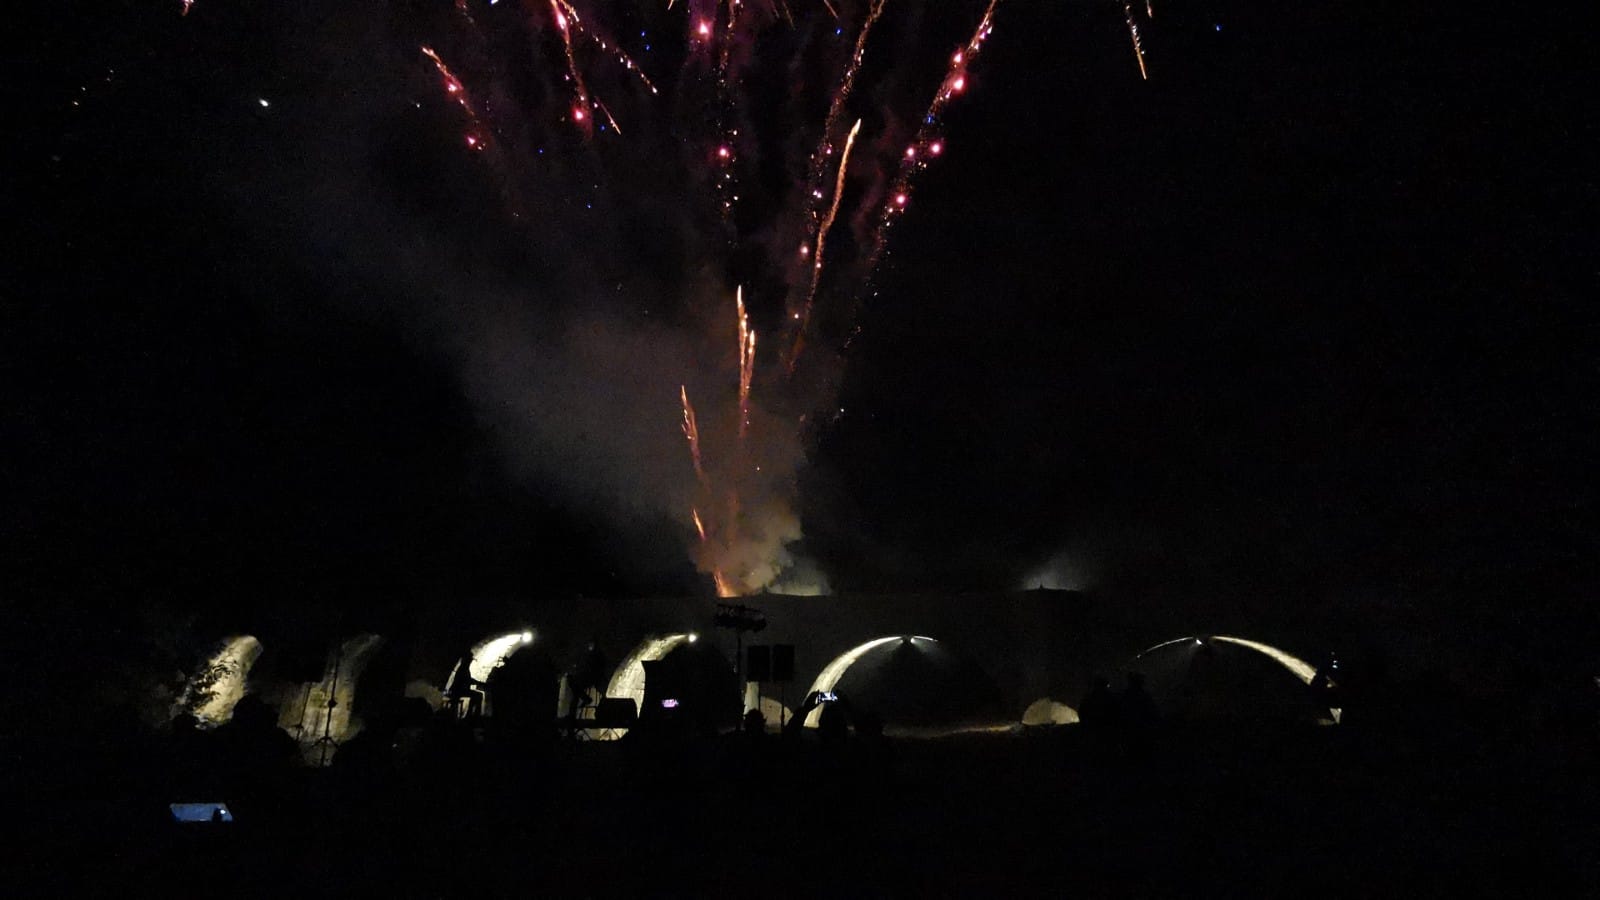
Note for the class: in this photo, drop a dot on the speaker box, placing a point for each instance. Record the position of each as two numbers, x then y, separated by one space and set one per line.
615 712
758 663
782 662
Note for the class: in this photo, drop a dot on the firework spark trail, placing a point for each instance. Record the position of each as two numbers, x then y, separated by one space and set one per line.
926 143
187 5
804 316
691 432
747 362
723 43
609 47
819 159
723 588
1149 10
1133 34
475 138
580 91
726 98
609 118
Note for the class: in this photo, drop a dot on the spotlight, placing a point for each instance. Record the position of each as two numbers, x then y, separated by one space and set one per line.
694 636
527 637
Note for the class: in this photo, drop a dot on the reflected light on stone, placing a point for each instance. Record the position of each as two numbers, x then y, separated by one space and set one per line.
491 654
1045 711
1296 666
830 675
1301 669
231 665
628 681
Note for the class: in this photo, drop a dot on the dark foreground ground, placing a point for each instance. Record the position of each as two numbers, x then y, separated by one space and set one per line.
1229 812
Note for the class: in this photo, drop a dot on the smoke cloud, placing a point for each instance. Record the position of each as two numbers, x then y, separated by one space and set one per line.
571 305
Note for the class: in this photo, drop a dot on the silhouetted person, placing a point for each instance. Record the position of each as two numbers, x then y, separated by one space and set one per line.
873 749
755 723
796 724
524 699
1136 709
1368 696
255 755
1326 693
464 692
369 754
832 726
1099 706
591 676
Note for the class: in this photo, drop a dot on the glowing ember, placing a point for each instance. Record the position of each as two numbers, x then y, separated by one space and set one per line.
1133 33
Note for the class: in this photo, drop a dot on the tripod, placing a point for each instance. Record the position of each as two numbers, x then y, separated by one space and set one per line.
326 744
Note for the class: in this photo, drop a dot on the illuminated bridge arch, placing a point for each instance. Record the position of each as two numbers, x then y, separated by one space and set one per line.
489 654
218 686
834 671
1296 666
628 680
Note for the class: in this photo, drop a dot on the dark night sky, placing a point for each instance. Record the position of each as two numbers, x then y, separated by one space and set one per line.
1308 315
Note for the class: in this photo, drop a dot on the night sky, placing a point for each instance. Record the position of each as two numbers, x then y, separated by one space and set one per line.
1308 317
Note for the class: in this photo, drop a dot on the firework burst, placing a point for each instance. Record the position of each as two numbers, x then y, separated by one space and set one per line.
697 127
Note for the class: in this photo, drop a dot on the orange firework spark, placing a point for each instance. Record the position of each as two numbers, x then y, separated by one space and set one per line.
822 238
747 362
698 525
691 431
1133 33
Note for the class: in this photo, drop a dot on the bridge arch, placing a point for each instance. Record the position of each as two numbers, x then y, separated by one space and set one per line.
218 685
836 669
627 682
1294 664
1302 671
489 654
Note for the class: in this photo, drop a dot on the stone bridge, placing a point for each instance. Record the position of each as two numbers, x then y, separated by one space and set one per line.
1032 644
